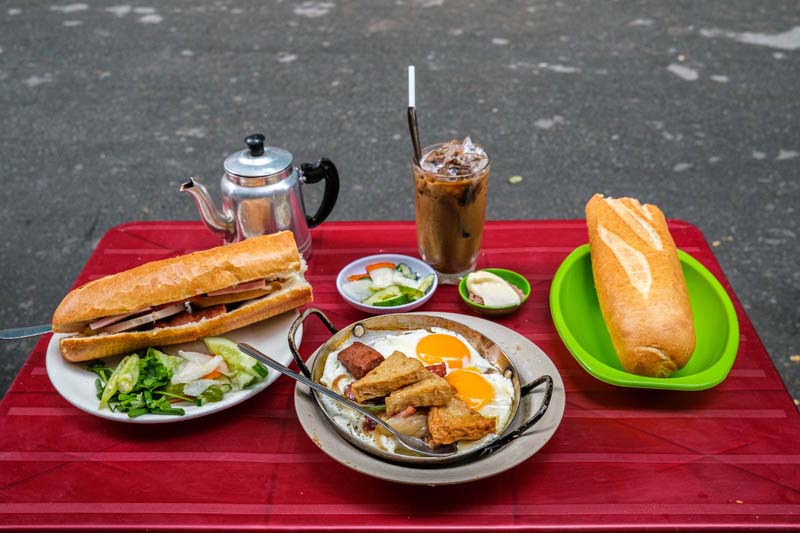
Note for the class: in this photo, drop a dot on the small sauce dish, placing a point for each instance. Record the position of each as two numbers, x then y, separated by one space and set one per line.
509 276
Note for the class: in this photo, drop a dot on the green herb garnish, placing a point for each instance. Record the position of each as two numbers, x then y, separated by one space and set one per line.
139 386
143 385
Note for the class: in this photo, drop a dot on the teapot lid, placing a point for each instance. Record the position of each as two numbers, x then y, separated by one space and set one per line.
257 160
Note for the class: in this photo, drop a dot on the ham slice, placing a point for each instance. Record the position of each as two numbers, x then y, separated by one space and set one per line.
242 287
187 317
207 301
107 321
147 318
118 323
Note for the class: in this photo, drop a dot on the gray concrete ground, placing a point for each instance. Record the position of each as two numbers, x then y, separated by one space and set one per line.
106 107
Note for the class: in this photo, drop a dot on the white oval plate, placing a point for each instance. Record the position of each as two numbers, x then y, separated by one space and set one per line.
76 384
359 266
530 362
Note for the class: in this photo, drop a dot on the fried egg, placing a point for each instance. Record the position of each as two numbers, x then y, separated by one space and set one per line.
476 381
431 347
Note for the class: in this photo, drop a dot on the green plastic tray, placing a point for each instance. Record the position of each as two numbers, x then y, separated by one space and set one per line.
576 314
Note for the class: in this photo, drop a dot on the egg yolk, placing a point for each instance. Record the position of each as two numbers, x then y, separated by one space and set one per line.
442 348
471 387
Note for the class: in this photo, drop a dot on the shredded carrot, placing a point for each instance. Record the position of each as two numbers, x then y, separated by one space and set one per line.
375 266
213 374
356 277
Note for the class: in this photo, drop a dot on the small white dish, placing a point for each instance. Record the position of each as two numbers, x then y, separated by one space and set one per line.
359 266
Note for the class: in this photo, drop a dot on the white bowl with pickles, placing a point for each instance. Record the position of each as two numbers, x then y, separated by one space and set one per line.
386 283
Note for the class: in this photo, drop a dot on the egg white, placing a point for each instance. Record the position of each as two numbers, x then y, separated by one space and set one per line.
335 372
499 407
407 344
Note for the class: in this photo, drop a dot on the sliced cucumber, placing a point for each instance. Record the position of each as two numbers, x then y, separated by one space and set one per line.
382 277
413 294
236 360
399 300
406 271
212 394
426 283
389 296
242 380
402 281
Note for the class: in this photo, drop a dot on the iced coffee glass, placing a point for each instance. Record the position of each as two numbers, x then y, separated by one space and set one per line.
450 185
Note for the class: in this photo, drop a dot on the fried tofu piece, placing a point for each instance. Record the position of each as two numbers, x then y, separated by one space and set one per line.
430 390
456 421
394 372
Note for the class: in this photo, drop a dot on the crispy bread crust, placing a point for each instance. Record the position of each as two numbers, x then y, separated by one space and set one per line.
76 349
652 331
177 279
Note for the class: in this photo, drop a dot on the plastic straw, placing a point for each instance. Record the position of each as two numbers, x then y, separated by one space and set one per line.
411 87
413 128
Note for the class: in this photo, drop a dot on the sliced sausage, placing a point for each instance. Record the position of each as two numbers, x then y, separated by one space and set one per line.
359 359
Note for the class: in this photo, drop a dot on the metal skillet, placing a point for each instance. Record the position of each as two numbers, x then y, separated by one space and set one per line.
373 328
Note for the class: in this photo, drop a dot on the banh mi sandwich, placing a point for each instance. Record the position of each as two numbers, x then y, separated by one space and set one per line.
640 286
183 298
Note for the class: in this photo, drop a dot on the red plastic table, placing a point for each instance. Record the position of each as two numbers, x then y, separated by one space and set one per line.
725 458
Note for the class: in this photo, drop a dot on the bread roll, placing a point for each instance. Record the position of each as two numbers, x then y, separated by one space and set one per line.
640 286
178 280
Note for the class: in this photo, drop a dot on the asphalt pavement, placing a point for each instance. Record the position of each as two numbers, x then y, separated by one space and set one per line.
106 107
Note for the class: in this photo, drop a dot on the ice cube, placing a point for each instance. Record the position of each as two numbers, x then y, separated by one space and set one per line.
455 158
467 146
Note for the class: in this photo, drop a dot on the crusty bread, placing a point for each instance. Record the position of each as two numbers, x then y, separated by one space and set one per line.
177 279
80 348
640 286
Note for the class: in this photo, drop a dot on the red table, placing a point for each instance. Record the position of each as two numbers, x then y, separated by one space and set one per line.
725 458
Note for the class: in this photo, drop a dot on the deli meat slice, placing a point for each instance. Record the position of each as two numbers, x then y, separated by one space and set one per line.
359 359
249 286
107 321
440 369
187 318
146 318
238 296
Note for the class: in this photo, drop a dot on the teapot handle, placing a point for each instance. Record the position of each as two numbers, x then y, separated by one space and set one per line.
323 169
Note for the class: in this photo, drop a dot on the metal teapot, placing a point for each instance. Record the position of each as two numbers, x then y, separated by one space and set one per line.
261 194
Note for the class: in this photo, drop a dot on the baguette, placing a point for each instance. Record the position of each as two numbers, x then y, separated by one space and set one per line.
640 286
273 258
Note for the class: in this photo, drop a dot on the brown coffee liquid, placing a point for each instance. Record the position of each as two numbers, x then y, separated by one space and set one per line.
450 212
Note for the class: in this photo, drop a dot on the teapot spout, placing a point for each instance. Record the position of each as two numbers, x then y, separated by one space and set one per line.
212 217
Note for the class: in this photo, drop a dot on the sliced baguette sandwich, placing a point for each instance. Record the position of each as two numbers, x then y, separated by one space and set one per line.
183 298
640 286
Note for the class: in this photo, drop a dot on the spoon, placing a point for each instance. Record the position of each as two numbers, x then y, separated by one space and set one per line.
412 443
